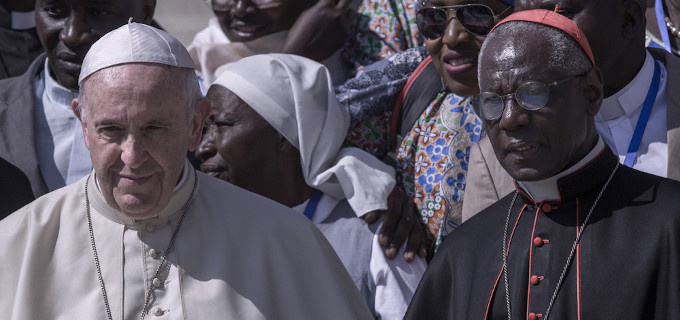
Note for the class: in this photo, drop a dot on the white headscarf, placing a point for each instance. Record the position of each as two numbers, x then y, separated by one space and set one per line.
295 96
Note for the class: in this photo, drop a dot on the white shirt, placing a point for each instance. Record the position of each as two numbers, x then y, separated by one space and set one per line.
62 154
619 114
236 256
396 280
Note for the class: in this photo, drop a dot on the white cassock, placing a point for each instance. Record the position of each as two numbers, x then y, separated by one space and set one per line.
236 256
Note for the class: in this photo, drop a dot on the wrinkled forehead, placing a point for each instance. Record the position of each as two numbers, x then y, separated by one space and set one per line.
513 56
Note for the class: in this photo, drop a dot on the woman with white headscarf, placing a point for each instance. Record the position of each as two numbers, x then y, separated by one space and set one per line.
277 129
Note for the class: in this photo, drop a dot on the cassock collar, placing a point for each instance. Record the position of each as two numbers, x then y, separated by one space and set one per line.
55 92
179 198
629 99
590 172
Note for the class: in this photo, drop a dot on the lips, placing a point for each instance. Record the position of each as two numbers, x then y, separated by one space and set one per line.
133 180
459 62
521 150
212 170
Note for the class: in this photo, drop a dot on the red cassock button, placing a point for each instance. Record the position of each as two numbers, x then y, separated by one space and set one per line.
533 316
538 241
546 207
535 280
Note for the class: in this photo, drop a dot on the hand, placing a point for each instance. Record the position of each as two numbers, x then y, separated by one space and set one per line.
401 221
320 30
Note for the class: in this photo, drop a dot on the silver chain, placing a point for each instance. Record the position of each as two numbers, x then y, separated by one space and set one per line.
145 307
569 258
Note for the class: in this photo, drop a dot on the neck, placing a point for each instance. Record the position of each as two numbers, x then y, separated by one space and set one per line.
617 78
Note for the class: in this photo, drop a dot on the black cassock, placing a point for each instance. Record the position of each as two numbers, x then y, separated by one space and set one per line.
627 265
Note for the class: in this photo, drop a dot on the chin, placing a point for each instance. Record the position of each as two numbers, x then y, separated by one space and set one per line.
463 88
136 208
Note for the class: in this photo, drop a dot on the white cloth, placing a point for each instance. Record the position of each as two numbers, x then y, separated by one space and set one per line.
212 51
619 114
237 256
547 189
135 43
295 96
62 154
396 280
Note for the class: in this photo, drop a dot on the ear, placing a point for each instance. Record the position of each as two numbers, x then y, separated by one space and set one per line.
200 115
634 18
74 106
594 91
148 11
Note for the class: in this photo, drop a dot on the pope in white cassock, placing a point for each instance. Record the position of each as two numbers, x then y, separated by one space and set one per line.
145 235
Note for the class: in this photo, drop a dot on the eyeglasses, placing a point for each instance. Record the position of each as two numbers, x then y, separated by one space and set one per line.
531 96
477 19
226 5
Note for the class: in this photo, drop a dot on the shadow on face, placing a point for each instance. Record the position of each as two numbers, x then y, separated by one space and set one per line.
239 146
537 144
138 130
67 29
454 51
245 20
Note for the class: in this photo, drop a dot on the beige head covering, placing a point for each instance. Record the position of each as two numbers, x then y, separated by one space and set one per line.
133 43
295 96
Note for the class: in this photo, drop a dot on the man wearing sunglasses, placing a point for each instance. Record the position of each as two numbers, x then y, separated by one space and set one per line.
640 115
559 246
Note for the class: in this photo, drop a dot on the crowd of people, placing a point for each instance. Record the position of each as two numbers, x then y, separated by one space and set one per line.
341 159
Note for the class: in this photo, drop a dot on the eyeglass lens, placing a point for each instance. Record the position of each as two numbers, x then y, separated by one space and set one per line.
531 96
477 19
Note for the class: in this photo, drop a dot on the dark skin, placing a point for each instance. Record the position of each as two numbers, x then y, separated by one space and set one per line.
68 28
226 152
240 147
317 28
535 145
454 54
615 30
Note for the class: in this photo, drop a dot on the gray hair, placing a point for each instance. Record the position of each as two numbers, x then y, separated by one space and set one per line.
184 78
567 56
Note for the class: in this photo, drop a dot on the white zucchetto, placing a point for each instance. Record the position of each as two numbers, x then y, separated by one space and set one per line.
295 96
135 43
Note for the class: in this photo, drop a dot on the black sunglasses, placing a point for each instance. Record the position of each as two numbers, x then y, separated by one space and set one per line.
477 19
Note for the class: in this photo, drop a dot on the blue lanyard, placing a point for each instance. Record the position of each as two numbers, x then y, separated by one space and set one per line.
313 203
663 31
644 118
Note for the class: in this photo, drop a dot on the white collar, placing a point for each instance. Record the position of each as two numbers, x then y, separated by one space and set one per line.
55 92
632 96
326 205
181 194
548 189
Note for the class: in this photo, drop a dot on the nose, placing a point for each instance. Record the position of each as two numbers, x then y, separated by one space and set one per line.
133 153
455 33
513 117
206 149
242 7
77 31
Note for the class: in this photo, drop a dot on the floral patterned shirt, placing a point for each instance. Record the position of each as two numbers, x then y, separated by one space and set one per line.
432 162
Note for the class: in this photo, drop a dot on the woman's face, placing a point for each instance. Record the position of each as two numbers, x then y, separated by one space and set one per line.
245 20
454 54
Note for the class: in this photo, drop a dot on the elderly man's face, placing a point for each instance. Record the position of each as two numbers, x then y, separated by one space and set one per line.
238 145
138 130
243 20
454 54
68 28
534 145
